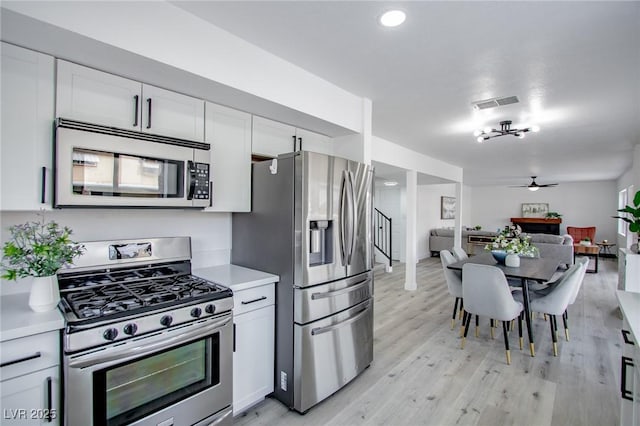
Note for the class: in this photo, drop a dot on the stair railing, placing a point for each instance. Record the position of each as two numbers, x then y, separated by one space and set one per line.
382 235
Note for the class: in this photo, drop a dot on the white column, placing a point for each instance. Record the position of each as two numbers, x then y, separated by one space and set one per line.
457 232
411 237
367 123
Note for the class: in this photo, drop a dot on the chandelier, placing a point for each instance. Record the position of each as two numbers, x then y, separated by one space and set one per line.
505 129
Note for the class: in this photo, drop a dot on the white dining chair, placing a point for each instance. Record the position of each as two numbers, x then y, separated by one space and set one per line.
460 254
557 298
454 282
486 292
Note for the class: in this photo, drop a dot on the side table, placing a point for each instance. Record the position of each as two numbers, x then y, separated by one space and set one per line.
590 251
605 249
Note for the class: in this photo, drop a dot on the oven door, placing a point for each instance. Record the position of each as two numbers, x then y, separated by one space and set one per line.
178 377
94 169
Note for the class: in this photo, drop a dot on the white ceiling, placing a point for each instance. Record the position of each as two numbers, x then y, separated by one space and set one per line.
575 67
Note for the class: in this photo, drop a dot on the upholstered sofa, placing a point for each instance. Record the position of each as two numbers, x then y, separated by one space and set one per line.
558 246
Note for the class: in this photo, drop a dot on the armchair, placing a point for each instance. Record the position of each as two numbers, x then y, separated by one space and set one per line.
579 234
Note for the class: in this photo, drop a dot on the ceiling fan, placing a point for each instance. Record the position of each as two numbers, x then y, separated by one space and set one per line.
533 186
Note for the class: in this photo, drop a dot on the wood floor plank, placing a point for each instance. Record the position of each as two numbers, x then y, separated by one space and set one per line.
420 376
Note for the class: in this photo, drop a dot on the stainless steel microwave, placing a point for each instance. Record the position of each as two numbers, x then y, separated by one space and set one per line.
100 166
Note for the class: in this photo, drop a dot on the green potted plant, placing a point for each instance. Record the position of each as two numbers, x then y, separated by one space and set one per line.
632 218
553 215
39 249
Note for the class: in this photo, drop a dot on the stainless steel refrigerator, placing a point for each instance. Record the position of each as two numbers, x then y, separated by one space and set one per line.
311 223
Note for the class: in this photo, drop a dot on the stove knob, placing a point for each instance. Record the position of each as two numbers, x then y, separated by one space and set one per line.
196 312
110 334
210 308
130 329
166 320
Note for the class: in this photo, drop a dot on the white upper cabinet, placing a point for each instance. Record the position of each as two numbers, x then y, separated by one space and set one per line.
94 96
315 142
172 114
27 123
271 138
85 94
229 133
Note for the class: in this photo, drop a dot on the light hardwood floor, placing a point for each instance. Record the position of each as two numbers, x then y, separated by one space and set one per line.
420 376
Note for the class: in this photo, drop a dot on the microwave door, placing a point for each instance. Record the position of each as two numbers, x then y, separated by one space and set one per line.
94 169
323 202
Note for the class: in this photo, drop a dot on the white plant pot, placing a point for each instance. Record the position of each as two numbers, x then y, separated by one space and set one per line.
45 294
512 260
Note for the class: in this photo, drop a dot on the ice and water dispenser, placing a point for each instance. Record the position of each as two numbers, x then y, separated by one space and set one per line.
320 242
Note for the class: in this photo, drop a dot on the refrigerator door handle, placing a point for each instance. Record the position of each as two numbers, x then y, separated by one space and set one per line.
356 286
353 220
357 316
342 231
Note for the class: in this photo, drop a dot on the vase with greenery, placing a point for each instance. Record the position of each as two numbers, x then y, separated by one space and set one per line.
632 218
509 242
39 249
553 215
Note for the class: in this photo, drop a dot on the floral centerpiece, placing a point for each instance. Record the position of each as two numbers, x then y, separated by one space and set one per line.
510 241
39 250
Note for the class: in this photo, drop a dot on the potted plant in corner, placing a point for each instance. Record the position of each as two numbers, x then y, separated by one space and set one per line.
633 219
39 250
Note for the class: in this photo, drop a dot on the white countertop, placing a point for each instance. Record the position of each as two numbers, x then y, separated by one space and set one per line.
18 320
236 277
630 306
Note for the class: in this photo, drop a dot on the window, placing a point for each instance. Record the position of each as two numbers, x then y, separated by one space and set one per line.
622 201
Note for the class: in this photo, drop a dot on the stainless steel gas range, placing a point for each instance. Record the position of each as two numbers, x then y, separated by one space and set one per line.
145 342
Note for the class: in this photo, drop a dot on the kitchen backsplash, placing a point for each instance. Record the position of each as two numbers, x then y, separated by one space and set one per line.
210 232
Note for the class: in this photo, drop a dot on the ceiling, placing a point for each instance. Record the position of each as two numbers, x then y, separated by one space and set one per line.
575 67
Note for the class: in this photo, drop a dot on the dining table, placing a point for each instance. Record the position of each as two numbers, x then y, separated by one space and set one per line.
539 269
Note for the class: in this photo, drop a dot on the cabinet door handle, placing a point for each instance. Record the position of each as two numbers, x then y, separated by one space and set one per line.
254 300
625 336
43 178
136 102
149 110
47 415
234 337
294 142
625 393
19 360
300 142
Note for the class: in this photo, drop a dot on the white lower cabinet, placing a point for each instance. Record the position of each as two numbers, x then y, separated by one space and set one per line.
628 270
253 357
30 380
31 399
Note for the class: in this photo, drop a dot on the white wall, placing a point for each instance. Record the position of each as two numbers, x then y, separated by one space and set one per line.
630 181
579 203
388 152
210 232
429 212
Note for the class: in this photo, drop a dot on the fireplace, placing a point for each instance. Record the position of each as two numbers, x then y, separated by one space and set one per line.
538 225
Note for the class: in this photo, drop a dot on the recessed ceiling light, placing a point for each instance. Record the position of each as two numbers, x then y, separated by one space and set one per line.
392 18
390 183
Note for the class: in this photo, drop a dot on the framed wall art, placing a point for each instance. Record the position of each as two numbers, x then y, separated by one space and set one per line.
447 207
535 209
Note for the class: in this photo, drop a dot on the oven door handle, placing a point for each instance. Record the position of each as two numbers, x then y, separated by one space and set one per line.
137 351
